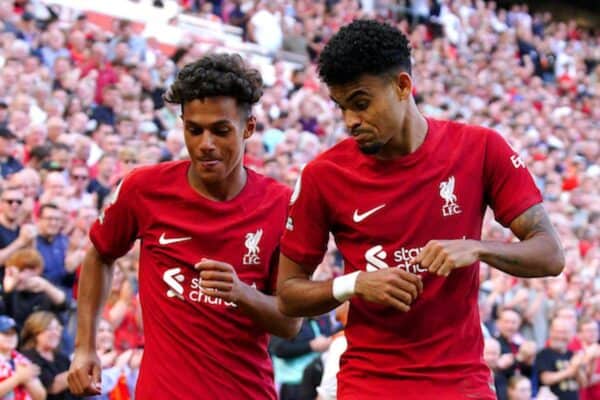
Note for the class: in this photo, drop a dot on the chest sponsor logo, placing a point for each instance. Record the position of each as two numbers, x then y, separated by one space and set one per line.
517 161
252 241
450 206
359 217
194 293
376 259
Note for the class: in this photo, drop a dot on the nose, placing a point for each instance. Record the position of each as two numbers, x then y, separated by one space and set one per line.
206 141
352 120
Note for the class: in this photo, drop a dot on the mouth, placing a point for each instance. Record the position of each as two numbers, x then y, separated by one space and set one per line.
208 162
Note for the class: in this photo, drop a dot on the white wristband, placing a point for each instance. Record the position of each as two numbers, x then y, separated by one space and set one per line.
343 286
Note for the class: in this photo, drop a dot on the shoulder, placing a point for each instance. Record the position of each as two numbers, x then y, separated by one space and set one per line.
452 129
341 153
272 188
164 173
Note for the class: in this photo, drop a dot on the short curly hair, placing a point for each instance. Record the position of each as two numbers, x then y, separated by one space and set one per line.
217 75
364 47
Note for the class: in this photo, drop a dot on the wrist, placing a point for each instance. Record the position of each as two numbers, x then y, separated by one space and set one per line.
343 287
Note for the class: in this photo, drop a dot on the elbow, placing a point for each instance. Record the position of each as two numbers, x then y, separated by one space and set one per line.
556 264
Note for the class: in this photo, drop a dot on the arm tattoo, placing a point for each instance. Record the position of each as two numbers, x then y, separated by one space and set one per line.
534 220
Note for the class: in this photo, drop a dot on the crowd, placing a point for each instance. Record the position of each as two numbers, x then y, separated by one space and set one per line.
80 107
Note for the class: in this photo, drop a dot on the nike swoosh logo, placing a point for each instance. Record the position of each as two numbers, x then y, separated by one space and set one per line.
164 241
360 217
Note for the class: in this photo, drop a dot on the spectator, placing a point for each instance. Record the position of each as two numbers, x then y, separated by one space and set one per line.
491 356
519 388
13 234
558 367
24 290
18 376
40 343
8 164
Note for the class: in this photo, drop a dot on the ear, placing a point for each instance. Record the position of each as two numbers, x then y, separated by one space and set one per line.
403 86
250 126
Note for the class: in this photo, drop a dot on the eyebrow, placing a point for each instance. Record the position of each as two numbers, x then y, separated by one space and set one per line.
219 122
356 93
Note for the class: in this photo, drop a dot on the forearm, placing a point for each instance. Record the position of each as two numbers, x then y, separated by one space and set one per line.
8 250
59 383
8 385
117 313
534 257
263 310
94 285
298 296
549 378
35 389
55 295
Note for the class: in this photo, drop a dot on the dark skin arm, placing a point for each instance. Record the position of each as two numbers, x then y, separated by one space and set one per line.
537 254
94 286
299 296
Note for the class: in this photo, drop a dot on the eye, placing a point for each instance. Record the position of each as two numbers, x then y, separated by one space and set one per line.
222 130
361 105
194 130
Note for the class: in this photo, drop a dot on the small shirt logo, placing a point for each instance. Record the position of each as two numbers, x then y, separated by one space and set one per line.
447 193
517 161
163 240
251 243
357 217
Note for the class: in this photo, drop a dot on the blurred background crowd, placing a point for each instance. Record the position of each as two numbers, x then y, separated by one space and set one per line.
81 106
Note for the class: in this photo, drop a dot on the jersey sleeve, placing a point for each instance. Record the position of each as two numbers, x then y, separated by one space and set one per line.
307 229
509 187
116 229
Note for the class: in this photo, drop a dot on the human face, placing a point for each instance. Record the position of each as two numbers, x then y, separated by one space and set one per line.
559 334
11 203
509 323
8 341
521 391
105 337
49 339
214 133
589 333
373 109
51 221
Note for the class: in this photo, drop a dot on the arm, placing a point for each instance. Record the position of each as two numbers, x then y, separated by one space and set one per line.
35 389
26 235
299 296
221 280
539 253
59 384
95 283
119 310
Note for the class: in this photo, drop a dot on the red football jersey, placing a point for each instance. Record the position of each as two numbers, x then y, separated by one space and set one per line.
196 346
382 213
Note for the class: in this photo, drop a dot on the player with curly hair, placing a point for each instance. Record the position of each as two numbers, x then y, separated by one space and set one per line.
209 231
405 199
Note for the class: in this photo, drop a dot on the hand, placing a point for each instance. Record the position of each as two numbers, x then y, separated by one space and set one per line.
123 358
576 362
84 374
440 257
527 352
35 284
108 359
25 371
391 287
320 344
27 233
126 293
219 279
506 360
136 360
11 279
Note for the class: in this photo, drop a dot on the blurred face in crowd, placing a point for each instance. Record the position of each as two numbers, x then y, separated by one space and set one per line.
12 200
214 131
49 339
50 222
374 109
589 333
79 178
521 390
105 337
54 184
508 323
8 341
559 334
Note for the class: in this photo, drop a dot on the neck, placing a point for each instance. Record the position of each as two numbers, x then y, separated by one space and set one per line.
411 135
219 191
45 352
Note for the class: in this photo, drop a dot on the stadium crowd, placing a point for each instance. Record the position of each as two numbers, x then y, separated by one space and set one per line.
81 106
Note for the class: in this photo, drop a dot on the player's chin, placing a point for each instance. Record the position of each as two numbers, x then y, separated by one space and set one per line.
370 148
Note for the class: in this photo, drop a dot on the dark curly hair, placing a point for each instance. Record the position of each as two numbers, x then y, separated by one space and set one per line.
217 75
364 47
